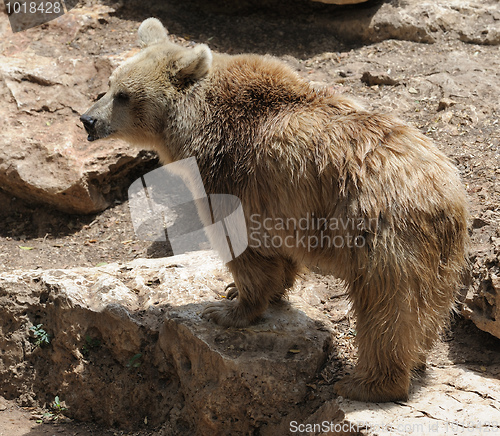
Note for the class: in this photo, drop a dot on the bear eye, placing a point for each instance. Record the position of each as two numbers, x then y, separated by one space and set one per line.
122 96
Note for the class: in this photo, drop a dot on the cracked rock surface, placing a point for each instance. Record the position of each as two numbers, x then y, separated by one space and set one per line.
454 401
127 344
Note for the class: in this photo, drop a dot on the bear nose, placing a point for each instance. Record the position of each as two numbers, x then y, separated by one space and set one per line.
87 121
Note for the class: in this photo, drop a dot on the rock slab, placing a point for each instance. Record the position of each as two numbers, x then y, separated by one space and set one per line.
44 86
482 302
413 20
128 346
454 401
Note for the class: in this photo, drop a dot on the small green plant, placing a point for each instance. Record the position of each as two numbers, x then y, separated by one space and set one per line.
134 362
57 406
57 410
42 338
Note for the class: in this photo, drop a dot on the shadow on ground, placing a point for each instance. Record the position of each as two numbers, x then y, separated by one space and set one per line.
297 28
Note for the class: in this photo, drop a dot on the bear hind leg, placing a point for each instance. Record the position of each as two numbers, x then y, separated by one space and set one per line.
391 343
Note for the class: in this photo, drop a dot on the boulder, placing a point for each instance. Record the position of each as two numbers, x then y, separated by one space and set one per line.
44 154
414 20
482 302
127 345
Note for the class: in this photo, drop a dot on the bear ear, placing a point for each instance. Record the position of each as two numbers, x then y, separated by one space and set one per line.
151 31
195 63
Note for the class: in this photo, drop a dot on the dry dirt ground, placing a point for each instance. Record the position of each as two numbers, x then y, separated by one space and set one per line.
34 236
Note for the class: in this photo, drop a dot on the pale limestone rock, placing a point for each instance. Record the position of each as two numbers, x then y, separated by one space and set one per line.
44 154
105 320
454 401
128 344
423 21
482 306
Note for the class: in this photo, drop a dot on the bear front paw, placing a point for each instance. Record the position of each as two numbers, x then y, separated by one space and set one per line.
226 313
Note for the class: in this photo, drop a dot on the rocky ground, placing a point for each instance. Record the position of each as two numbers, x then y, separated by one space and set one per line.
435 65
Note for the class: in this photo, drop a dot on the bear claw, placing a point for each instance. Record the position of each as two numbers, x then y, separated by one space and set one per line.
231 291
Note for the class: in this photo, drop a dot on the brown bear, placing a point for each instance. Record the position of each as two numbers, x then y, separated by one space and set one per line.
322 183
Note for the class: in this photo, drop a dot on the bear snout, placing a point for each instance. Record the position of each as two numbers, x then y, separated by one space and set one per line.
89 124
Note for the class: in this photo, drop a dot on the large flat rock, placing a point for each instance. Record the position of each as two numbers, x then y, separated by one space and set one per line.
44 86
414 20
128 346
454 401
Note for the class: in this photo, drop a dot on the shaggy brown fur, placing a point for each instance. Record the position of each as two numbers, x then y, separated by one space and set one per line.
390 201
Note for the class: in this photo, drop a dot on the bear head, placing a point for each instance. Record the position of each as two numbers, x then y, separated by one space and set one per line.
143 92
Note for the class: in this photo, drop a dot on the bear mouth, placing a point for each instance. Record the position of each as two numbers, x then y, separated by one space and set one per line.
94 136
91 133
94 128
89 123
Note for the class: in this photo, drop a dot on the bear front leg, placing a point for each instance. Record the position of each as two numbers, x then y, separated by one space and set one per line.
258 281
290 269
